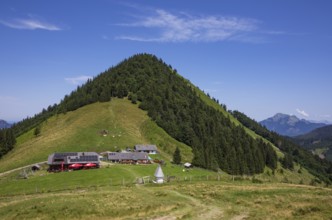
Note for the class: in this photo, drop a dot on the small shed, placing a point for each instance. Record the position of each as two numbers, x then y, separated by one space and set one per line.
187 165
159 175
35 167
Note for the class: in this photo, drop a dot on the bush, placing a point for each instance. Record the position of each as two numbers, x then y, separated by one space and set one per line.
254 180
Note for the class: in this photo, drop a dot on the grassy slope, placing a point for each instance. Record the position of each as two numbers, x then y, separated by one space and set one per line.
69 196
127 126
79 131
101 194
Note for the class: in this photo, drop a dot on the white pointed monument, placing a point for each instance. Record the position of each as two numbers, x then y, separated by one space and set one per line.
159 175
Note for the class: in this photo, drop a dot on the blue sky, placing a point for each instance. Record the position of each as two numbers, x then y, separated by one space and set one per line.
260 57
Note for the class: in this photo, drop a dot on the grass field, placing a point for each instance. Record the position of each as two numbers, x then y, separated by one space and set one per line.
102 194
109 175
112 193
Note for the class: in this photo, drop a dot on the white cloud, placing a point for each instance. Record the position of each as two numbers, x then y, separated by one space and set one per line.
30 24
184 27
302 112
78 80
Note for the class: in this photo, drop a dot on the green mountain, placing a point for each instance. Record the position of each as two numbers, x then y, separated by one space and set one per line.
319 141
177 112
80 130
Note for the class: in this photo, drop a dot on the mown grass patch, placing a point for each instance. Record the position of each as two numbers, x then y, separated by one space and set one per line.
176 200
265 201
109 175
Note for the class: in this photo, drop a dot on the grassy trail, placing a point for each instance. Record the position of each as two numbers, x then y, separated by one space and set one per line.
195 200
20 168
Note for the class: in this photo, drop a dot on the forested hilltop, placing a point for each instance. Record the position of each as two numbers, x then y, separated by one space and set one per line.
176 106
173 103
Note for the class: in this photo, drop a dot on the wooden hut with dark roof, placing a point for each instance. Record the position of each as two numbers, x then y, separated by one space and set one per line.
150 149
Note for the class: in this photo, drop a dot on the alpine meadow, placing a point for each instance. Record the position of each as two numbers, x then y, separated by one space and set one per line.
238 168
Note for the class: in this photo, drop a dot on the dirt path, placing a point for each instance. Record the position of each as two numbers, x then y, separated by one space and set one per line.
194 207
204 211
20 168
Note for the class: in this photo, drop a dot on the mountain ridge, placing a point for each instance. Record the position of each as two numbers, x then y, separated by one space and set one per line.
318 139
289 125
4 124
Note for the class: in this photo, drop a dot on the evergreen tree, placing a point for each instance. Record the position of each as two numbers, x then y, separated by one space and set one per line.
7 141
134 99
177 156
37 131
287 162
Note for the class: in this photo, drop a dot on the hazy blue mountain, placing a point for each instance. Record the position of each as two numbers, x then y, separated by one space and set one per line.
290 125
4 124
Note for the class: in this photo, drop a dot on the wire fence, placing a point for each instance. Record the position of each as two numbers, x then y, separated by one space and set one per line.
113 182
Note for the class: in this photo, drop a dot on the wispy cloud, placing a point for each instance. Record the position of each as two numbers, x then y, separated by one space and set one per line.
30 24
78 80
184 27
302 112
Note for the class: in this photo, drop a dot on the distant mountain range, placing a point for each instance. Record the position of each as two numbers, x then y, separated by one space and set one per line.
290 125
4 124
319 141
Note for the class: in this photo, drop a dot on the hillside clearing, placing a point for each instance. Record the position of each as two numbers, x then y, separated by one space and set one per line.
80 131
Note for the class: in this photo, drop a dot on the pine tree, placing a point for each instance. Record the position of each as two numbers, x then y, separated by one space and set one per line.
287 162
177 156
37 131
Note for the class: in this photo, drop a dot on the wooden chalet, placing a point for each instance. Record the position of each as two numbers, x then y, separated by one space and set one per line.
129 157
63 161
150 149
